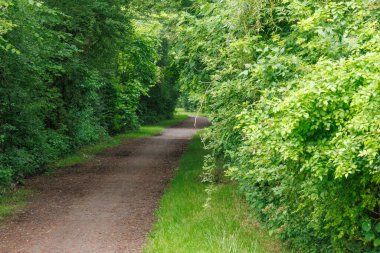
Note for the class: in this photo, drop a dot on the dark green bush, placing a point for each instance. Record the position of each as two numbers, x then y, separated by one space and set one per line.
71 73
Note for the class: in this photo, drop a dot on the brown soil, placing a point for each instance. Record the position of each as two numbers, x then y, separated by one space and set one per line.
104 205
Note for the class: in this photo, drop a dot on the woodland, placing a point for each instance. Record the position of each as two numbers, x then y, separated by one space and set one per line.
291 87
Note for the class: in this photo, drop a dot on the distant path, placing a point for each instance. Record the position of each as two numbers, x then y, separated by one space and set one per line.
105 205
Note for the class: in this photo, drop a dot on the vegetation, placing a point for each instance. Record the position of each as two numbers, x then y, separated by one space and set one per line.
196 218
293 88
72 73
12 201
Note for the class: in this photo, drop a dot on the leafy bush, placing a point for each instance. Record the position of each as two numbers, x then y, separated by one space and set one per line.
5 178
293 88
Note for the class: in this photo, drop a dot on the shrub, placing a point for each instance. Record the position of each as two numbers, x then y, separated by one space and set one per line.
293 89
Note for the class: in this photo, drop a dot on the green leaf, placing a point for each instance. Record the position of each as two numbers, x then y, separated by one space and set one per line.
366 226
376 242
244 73
377 227
369 236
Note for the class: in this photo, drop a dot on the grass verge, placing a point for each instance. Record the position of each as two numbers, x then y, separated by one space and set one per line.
194 219
9 202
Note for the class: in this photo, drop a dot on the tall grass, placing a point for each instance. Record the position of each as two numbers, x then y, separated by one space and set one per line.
196 217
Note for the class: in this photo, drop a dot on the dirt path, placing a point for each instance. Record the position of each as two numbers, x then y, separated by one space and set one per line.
105 205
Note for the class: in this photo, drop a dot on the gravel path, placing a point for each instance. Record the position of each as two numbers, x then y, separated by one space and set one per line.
104 205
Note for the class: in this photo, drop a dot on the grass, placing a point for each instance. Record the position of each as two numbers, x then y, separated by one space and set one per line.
194 217
87 152
10 202
192 114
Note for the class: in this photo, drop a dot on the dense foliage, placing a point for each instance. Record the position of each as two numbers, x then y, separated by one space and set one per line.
73 72
293 87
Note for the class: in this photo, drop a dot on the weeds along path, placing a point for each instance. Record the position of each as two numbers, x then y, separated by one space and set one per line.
104 205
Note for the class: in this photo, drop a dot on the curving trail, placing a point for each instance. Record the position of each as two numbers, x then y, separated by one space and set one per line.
104 205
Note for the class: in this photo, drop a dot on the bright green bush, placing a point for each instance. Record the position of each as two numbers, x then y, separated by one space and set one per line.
293 88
